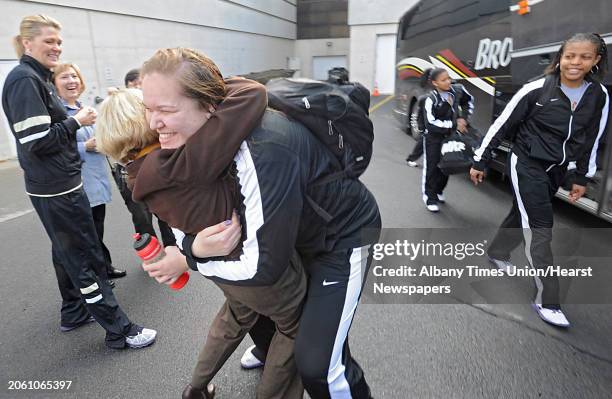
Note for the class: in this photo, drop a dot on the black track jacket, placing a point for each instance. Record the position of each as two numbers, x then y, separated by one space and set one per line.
439 116
278 167
45 135
540 119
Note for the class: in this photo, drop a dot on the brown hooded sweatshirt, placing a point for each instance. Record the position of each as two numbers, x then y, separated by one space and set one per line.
193 186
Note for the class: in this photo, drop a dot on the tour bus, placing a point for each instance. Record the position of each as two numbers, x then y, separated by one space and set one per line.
493 47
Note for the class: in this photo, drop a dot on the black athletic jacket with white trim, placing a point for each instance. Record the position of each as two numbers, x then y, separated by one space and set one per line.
45 135
278 166
541 124
440 116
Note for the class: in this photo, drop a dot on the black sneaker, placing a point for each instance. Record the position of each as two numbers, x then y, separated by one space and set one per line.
432 206
66 328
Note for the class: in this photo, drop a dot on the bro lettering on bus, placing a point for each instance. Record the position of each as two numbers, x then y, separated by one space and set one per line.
493 53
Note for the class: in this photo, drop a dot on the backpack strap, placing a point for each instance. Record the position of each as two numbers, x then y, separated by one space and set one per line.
318 210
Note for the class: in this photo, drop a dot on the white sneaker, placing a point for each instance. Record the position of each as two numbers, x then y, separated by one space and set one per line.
143 337
551 316
441 198
503 265
412 163
433 208
249 361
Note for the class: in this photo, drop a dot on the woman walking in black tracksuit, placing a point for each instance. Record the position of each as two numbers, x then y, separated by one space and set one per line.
446 108
555 121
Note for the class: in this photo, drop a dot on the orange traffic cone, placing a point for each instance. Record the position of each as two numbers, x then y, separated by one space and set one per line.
375 92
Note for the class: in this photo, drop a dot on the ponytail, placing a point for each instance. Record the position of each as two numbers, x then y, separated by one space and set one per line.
429 75
18 45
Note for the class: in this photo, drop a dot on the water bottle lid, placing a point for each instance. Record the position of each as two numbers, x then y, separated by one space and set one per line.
141 241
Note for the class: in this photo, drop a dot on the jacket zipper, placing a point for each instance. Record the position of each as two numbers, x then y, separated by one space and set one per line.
569 134
568 137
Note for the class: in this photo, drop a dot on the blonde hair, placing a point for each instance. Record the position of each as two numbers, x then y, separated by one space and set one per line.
30 27
121 126
198 76
63 68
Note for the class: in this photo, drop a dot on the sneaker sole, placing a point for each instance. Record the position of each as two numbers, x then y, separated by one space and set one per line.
552 323
251 367
142 345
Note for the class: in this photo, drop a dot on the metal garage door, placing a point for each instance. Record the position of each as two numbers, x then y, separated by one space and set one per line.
320 65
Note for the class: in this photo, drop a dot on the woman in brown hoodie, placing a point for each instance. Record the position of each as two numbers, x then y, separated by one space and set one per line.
265 166
125 136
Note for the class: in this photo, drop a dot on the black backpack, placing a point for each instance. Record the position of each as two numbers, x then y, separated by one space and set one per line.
337 114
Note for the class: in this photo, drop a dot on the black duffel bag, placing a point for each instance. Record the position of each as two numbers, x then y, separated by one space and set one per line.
455 155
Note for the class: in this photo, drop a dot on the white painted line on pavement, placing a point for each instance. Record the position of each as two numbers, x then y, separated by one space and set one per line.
15 215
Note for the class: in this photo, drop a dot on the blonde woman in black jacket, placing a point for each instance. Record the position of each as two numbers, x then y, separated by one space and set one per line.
47 151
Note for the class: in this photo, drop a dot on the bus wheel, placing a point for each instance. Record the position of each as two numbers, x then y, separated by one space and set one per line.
413 126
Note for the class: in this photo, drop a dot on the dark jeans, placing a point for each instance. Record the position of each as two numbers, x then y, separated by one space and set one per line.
79 265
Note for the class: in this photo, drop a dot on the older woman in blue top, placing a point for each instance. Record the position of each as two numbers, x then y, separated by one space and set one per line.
70 85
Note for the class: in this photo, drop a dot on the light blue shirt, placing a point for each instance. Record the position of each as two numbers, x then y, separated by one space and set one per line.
574 94
94 170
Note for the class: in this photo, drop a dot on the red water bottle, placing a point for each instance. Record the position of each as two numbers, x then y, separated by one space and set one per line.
150 251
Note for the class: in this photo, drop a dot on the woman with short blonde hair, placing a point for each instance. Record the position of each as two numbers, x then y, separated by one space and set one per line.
124 130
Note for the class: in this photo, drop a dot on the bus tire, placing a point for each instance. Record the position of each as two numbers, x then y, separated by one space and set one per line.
413 127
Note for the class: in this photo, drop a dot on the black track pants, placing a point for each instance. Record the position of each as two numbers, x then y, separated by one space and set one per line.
99 214
417 151
531 220
78 261
434 181
322 351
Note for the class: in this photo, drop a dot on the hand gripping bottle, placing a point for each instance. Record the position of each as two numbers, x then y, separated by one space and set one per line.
150 251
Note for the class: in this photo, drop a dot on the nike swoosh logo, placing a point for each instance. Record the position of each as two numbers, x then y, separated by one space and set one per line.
326 283
539 105
553 99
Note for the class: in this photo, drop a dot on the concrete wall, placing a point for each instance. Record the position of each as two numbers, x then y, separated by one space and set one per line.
305 50
107 38
362 61
366 12
367 19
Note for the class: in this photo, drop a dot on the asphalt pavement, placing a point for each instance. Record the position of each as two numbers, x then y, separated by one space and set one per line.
407 351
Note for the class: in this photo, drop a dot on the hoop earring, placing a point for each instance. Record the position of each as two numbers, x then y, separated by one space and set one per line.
557 67
596 71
